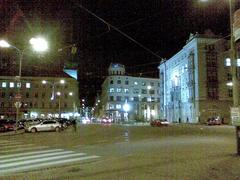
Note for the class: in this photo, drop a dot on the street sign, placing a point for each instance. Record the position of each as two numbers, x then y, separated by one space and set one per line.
235 116
17 104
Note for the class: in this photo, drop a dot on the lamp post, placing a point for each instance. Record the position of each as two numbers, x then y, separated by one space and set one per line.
59 101
53 84
38 45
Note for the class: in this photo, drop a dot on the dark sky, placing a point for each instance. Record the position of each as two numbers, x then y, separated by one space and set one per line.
163 26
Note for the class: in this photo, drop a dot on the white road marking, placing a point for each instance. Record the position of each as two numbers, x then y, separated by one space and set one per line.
29 153
23 149
46 164
36 156
16 146
27 162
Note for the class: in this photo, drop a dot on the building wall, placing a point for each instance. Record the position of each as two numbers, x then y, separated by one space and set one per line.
193 82
36 98
142 95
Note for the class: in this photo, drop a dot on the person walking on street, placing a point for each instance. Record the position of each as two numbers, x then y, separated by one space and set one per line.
74 125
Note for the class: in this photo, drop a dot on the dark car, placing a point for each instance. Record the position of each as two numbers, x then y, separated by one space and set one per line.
9 125
213 121
159 123
2 128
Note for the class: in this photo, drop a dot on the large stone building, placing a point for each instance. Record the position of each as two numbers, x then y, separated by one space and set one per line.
195 84
126 97
39 96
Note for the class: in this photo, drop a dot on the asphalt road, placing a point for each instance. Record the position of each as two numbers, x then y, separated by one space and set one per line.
117 152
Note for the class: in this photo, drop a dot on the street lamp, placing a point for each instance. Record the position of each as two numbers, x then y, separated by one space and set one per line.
126 108
62 81
59 102
235 82
53 84
39 45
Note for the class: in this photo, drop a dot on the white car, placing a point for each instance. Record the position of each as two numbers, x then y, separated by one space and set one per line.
48 125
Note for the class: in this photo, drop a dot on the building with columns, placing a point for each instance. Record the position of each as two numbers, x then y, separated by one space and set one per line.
195 84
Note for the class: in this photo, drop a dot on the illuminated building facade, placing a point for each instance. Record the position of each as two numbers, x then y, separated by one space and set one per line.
39 99
127 97
195 84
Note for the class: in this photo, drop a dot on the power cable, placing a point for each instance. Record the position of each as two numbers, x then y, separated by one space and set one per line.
118 30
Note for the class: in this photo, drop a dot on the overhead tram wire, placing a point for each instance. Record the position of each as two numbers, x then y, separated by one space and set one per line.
118 30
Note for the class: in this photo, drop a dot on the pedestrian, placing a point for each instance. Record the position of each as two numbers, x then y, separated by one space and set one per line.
187 120
74 125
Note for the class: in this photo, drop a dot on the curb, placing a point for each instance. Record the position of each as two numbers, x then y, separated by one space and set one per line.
12 133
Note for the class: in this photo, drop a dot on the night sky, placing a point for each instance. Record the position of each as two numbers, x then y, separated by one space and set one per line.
163 26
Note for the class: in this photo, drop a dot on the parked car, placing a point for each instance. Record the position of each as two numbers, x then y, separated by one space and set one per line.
29 122
213 121
9 125
48 125
159 122
2 128
106 120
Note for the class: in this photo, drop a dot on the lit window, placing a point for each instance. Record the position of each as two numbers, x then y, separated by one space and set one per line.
28 85
118 106
119 90
111 90
4 84
111 106
11 85
238 62
135 83
228 62
18 85
126 90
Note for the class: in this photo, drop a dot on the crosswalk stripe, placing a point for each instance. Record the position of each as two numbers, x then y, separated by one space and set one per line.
9 143
16 146
23 149
41 165
36 156
29 153
27 162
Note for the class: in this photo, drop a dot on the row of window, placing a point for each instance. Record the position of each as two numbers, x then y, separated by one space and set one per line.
34 105
120 106
135 83
14 84
27 95
136 99
135 91
228 62
25 85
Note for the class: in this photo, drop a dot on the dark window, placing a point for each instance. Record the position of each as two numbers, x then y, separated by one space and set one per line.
119 81
136 99
151 91
43 95
144 91
230 92
36 95
43 105
111 82
144 99
111 98
2 104
3 94
65 105
126 82
119 98
27 94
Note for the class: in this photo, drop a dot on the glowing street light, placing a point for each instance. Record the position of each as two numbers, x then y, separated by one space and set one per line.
39 45
4 44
